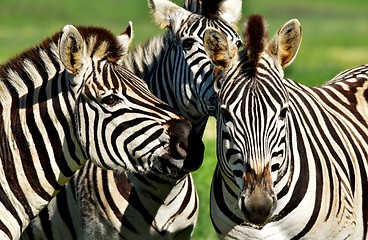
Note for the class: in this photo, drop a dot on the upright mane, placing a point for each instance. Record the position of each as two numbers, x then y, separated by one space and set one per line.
112 49
255 39
208 8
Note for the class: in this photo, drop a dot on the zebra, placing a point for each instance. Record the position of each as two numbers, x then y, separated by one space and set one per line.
134 206
68 100
292 159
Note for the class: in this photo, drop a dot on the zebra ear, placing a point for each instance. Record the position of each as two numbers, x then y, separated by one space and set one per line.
71 49
126 38
221 51
286 43
166 12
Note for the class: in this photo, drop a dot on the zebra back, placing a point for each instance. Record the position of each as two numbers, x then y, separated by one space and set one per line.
292 159
68 100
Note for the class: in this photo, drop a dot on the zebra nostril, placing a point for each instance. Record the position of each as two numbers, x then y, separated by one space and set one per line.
179 131
182 148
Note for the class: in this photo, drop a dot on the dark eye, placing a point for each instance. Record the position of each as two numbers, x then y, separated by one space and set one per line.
283 113
238 44
188 43
110 100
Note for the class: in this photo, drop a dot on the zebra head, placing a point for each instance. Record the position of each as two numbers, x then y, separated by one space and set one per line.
252 117
119 122
192 82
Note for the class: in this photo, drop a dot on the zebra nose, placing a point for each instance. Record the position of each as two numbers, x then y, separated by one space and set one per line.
179 131
258 205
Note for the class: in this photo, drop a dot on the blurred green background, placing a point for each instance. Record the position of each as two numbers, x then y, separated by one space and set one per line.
335 37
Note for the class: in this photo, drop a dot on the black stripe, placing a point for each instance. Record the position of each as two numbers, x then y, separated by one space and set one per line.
4 229
24 155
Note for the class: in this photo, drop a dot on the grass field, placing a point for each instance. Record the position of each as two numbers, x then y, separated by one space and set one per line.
335 37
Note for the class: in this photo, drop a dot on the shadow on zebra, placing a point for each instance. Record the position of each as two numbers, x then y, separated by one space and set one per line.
292 159
67 100
100 204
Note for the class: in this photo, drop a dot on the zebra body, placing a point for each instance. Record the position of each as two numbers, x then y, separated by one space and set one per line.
292 159
177 70
127 206
68 100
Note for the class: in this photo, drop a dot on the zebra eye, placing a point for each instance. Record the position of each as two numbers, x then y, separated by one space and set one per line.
238 44
110 100
283 113
275 167
188 43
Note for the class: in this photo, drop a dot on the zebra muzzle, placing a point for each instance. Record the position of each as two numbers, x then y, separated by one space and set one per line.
185 145
179 131
257 200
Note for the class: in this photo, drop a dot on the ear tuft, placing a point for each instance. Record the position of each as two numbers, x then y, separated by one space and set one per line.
71 49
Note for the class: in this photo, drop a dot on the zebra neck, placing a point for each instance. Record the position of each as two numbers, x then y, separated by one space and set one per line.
40 151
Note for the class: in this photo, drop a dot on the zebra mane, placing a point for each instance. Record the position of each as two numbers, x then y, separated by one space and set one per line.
113 51
208 8
142 58
255 38
95 37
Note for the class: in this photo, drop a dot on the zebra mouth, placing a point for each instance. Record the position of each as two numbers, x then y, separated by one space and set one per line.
169 166
190 161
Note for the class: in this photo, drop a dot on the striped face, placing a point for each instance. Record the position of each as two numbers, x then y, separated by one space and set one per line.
252 125
252 121
199 95
192 82
120 124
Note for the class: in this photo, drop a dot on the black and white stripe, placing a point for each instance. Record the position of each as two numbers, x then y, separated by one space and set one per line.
293 159
68 100
135 206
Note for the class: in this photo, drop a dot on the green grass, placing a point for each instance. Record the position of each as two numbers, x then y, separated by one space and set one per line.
335 34
202 178
335 37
